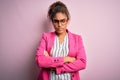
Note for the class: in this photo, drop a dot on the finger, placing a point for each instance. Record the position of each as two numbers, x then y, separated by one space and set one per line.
46 53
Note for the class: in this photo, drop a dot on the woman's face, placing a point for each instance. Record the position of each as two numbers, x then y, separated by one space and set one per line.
60 22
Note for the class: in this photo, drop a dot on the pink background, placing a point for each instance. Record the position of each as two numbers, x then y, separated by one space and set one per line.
23 21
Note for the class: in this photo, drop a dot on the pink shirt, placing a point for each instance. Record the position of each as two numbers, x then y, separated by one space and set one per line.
76 49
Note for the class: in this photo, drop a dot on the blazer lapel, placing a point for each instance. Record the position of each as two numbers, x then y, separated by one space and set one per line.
51 41
71 43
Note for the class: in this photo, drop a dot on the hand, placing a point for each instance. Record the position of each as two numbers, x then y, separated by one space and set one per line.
46 53
69 59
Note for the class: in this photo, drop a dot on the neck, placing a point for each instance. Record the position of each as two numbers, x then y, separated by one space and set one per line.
62 34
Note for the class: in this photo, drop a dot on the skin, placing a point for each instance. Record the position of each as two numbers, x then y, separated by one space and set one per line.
60 25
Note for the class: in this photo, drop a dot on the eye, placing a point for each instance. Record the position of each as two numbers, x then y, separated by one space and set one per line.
55 21
63 21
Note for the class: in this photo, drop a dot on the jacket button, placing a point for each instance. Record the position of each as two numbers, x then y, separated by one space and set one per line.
55 60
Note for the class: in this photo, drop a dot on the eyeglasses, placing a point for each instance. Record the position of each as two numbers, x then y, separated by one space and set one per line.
62 21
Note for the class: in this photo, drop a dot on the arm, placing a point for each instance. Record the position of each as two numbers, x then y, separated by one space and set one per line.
46 61
78 64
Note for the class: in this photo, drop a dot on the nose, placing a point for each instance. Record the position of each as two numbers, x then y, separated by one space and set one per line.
59 24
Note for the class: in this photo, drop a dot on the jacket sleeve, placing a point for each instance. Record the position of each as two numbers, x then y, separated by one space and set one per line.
46 61
78 64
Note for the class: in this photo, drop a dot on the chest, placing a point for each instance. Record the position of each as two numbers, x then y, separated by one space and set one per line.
60 49
71 46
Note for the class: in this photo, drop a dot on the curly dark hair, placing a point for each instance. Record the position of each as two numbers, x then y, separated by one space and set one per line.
58 7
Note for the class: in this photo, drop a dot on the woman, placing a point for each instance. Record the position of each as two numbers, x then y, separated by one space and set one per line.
60 54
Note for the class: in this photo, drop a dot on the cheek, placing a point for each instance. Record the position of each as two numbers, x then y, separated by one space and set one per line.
55 27
65 26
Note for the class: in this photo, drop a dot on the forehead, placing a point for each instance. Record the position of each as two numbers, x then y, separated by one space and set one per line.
60 16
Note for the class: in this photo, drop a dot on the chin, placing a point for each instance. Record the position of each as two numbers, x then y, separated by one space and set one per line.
60 32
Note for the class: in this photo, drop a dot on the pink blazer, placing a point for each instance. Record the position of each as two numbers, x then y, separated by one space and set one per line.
76 49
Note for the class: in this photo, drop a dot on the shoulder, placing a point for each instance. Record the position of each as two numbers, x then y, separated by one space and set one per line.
47 34
75 36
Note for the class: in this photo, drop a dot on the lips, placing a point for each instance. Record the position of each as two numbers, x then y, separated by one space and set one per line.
59 29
